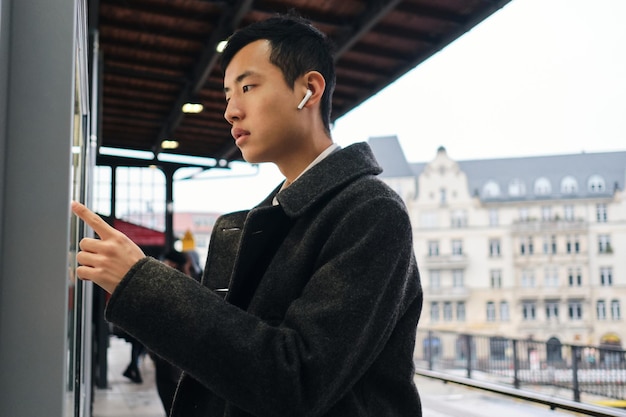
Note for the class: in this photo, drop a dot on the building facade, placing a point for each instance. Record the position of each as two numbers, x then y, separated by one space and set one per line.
531 247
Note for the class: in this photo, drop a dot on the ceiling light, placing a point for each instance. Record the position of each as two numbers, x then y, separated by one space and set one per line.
169 144
192 107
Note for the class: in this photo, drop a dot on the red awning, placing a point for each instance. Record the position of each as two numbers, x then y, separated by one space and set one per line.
141 235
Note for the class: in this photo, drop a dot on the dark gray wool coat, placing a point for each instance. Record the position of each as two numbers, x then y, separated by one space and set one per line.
322 307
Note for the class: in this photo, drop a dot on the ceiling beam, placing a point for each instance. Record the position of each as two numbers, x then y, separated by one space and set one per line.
123 161
229 20
376 10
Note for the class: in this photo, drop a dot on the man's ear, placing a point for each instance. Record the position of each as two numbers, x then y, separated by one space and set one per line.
311 81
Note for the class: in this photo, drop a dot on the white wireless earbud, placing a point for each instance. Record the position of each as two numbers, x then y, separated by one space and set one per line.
306 98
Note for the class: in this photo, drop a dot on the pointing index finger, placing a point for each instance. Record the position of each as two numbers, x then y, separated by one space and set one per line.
93 220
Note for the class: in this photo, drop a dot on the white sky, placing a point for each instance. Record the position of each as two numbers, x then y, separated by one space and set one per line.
538 77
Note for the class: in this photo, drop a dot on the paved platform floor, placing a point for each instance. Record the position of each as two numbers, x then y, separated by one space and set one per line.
124 398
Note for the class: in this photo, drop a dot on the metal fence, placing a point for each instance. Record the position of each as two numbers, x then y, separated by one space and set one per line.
599 371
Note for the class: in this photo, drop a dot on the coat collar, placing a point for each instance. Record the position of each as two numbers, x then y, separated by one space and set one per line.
334 171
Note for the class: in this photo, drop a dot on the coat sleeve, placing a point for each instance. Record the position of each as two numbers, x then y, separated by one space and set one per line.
363 282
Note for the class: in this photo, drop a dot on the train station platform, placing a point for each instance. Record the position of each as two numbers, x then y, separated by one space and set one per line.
124 398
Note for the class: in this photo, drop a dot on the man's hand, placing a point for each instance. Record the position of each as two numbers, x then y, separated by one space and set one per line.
104 261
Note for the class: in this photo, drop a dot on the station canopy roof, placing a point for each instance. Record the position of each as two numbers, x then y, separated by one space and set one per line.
158 55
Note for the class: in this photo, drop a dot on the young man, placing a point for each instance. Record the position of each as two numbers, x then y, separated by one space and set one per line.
310 301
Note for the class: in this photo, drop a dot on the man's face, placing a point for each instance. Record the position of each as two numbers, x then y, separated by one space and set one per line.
261 107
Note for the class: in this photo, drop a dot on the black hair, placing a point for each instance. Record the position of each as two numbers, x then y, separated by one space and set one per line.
296 48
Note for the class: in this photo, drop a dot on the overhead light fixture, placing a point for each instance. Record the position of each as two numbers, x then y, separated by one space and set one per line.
192 107
221 46
169 144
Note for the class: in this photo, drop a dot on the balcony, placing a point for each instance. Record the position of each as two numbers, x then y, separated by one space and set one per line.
547 226
445 262
548 293
447 293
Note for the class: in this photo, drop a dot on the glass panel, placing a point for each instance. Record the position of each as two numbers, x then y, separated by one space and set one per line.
78 380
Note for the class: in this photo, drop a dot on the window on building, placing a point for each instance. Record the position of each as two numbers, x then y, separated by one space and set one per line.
552 310
575 309
431 347
491 189
434 277
433 248
457 278
429 220
601 309
606 276
447 311
495 278
491 311
604 244
434 311
493 218
551 276
569 185
546 245
529 310
601 213
526 245
498 347
542 186
504 311
457 247
494 248
517 188
568 212
615 310
528 278
575 277
460 310
572 244
596 184
458 219
443 198
546 213
523 214
553 244
553 351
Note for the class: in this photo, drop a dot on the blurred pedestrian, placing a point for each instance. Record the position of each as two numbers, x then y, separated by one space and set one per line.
137 350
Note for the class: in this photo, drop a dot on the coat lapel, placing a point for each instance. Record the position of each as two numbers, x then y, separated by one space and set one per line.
263 232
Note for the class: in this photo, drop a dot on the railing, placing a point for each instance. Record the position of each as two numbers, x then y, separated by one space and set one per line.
447 261
537 225
546 371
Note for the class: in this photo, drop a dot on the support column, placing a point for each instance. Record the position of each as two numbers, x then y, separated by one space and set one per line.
37 47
